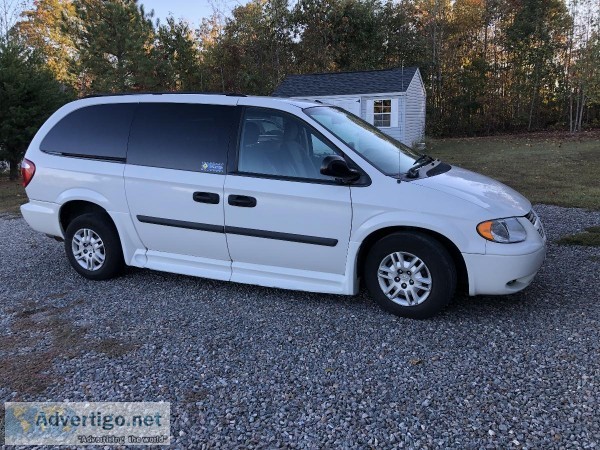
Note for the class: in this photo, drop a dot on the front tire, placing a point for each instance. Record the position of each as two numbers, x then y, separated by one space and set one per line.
410 275
93 247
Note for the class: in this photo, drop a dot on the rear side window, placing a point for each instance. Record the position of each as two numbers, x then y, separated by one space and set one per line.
97 131
181 136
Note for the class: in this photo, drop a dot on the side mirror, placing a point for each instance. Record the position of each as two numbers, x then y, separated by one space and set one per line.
337 167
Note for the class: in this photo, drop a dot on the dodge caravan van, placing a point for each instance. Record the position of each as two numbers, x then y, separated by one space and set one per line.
273 192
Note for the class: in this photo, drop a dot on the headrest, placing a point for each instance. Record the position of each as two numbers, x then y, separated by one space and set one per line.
251 133
290 131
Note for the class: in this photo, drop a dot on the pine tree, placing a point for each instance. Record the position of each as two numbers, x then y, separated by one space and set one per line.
177 57
113 40
29 94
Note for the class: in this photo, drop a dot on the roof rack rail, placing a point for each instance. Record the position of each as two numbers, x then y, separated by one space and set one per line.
119 94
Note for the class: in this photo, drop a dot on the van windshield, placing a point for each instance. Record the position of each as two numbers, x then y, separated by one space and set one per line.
382 151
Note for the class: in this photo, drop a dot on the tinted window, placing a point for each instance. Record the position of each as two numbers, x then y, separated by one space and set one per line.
97 131
181 136
279 144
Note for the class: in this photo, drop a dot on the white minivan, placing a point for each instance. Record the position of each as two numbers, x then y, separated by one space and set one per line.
273 192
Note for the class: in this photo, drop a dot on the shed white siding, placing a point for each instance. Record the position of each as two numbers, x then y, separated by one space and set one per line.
415 111
351 104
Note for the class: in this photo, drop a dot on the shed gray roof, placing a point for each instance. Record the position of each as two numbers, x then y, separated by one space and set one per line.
346 83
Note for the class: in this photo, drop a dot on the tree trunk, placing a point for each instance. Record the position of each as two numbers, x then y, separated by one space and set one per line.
536 90
568 72
577 109
582 106
14 170
222 80
531 109
571 111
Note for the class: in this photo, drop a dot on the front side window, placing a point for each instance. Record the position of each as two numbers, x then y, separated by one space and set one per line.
181 136
278 144
382 151
382 113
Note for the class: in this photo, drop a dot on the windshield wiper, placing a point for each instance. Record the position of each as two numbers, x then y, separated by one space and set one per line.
421 161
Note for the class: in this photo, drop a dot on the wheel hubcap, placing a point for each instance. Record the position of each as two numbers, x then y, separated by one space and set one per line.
404 278
88 249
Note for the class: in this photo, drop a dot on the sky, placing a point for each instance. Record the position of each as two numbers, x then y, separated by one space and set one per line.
191 10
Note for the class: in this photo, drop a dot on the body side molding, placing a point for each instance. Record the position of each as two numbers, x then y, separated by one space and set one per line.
300 238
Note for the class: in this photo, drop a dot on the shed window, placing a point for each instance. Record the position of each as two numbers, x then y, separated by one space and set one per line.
382 113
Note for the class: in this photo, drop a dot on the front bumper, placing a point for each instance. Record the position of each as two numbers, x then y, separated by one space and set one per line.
502 274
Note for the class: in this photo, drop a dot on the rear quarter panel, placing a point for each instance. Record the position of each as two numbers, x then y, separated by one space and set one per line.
59 179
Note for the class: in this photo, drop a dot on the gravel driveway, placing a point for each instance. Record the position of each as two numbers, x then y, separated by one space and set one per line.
245 366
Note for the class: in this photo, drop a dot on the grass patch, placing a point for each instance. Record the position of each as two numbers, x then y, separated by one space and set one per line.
40 334
30 371
557 169
12 195
589 238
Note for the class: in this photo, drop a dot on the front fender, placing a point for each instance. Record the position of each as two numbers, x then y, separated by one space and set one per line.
456 230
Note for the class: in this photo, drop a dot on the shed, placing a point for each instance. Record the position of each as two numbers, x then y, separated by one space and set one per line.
393 99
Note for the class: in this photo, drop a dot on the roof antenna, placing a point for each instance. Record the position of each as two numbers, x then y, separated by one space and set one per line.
402 75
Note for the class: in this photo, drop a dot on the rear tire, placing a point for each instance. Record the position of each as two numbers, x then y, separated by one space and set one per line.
419 291
93 247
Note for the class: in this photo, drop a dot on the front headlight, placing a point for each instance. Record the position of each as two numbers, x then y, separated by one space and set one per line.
504 231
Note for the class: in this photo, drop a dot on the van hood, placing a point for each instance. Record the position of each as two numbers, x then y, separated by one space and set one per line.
497 198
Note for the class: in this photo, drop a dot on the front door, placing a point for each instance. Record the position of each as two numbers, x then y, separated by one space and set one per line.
287 225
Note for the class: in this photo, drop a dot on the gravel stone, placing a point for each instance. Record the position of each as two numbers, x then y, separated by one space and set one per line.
251 367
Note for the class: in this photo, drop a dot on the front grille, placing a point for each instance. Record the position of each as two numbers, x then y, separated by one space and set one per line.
535 221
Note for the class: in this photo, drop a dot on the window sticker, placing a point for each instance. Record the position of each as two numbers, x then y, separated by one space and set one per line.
212 167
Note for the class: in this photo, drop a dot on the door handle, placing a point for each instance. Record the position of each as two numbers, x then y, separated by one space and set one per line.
206 197
242 201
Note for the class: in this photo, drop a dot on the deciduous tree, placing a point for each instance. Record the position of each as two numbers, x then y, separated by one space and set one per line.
42 26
